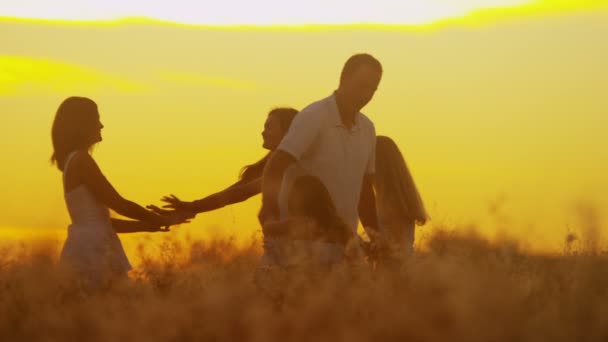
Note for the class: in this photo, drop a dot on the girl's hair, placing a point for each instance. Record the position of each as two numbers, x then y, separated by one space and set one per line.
309 197
285 116
395 188
71 128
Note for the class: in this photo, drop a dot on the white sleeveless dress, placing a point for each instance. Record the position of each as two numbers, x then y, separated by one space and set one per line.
92 248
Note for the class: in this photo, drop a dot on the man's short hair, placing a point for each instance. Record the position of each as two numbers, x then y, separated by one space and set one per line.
357 61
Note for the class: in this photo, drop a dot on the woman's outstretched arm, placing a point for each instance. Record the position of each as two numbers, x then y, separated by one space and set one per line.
103 190
236 193
126 226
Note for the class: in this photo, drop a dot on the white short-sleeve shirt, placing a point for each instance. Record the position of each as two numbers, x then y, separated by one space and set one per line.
325 148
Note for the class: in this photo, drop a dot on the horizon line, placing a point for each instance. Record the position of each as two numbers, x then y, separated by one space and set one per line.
475 18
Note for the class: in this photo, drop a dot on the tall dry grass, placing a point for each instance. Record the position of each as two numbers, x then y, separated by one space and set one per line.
460 288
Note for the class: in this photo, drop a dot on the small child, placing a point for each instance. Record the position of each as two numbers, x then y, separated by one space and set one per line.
315 234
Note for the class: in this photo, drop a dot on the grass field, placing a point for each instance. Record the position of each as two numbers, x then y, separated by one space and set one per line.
459 288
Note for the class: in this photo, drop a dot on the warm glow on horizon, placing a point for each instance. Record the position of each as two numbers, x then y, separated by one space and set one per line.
502 122
261 12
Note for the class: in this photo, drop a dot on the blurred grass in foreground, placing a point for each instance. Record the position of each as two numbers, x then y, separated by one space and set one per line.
458 287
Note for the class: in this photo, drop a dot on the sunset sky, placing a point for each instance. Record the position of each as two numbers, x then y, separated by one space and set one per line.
499 106
264 12
273 12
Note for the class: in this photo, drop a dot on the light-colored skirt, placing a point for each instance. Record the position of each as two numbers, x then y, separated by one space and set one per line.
94 253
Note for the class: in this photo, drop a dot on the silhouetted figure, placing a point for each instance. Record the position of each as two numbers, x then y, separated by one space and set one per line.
331 140
92 248
314 240
317 234
399 204
250 181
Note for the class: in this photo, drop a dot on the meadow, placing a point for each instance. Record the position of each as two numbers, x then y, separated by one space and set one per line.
457 287
501 115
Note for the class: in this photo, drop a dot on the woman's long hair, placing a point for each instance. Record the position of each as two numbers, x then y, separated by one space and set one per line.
72 126
253 171
309 197
395 189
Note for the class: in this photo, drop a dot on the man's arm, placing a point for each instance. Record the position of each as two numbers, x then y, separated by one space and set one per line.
367 205
271 184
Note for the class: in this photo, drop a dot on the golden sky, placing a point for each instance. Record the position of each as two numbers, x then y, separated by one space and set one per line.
278 12
265 12
501 106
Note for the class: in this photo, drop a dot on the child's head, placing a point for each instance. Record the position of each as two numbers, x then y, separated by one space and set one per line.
310 198
395 188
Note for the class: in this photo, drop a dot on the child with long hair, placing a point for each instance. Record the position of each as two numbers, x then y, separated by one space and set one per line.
249 183
398 201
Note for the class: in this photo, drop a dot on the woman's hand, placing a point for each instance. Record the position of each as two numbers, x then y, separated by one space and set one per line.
177 204
177 217
129 226
172 217
158 210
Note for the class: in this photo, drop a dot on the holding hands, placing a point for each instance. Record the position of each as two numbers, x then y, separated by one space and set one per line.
175 203
155 222
168 218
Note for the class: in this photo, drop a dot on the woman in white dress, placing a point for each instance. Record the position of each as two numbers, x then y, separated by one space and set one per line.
92 248
398 202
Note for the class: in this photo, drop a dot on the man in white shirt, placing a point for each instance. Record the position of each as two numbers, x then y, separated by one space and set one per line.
332 140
